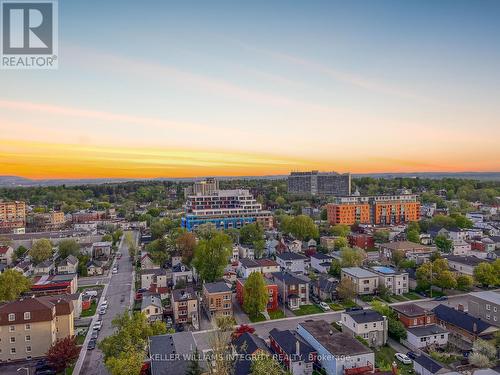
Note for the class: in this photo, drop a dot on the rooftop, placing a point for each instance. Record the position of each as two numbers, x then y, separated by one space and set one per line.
429 330
217 287
337 343
321 256
406 245
291 256
488 296
288 278
429 364
288 339
461 319
470 261
183 294
365 316
163 347
410 309
358 272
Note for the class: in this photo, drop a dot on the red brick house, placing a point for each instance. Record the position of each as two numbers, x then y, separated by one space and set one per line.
361 240
412 315
272 290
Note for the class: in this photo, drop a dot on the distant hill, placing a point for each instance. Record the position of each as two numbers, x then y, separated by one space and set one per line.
15 181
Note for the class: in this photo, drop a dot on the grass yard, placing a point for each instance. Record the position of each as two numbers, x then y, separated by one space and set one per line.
93 287
412 295
347 304
90 311
278 314
308 309
399 298
445 358
336 306
80 338
366 298
258 318
385 356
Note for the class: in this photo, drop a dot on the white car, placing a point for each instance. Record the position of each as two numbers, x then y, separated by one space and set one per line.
104 305
97 325
115 271
324 306
403 358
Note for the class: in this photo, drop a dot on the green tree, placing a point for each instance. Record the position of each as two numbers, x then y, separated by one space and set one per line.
266 365
340 243
461 221
206 231
413 236
255 294
484 273
429 273
250 233
19 253
323 214
335 268
280 201
12 284
302 227
129 363
346 290
465 282
211 256
341 230
186 243
68 247
398 257
107 238
352 257
443 243
381 236
194 367
41 250
159 250
259 246
446 280
483 354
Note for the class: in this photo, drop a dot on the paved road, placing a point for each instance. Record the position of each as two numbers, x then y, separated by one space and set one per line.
117 286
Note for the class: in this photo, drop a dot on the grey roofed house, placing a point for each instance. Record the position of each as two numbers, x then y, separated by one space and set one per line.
288 278
365 316
321 256
154 271
429 364
359 272
46 263
247 344
327 284
488 296
291 256
180 267
337 343
467 260
167 353
150 300
432 329
461 319
217 287
69 260
249 263
288 340
409 309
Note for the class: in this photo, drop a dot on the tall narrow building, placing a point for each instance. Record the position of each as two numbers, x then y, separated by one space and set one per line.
319 183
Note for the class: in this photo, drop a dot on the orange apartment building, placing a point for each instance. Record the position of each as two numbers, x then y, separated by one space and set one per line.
379 210
12 215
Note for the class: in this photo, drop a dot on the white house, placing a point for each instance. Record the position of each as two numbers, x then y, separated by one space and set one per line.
6 253
460 247
247 266
68 265
424 336
181 273
154 276
321 262
368 324
292 262
246 252
152 308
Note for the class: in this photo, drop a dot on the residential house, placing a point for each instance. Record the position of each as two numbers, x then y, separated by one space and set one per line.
246 252
463 328
95 268
426 336
179 346
397 282
366 282
361 240
294 353
55 284
246 347
268 266
101 249
325 288
272 291
295 246
412 315
461 248
419 253
217 299
151 306
184 304
247 266
6 254
30 326
338 353
328 242
44 268
424 365
485 305
25 267
157 276
321 262
181 273
292 262
368 324
147 262
68 265
464 265
292 289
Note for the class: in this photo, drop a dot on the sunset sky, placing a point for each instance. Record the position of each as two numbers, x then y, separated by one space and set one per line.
197 88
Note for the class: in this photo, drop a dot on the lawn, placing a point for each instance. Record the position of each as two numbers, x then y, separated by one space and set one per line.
258 318
278 314
399 298
307 310
93 287
412 295
348 304
90 311
366 298
445 358
336 306
385 356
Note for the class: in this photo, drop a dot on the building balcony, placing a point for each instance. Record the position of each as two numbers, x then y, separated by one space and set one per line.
359 370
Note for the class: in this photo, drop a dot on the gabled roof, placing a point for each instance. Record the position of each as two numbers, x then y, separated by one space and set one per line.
4 249
248 344
365 316
70 259
430 365
410 309
321 256
291 256
288 339
327 284
461 319
249 263
288 278
467 260
167 346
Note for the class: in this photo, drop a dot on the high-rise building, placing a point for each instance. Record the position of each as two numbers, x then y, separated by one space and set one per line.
12 215
379 209
224 208
319 183
204 187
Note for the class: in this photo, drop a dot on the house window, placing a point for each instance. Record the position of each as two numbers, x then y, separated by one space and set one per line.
27 315
494 308
374 325
366 325
442 336
487 316
12 317
12 340
27 338
415 321
12 350
12 328
488 307
27 327
428 319
28 349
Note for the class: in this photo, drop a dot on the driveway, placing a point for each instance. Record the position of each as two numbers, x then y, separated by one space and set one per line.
117 286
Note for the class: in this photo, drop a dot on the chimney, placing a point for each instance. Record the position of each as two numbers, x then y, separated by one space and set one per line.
297 348
474 328
460 307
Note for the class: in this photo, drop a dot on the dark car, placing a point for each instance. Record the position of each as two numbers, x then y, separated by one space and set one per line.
46 372
412 355
42 366
91 345
353 309
94 335
442 298
179 328
41 362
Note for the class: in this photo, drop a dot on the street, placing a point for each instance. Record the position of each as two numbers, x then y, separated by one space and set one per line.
118 285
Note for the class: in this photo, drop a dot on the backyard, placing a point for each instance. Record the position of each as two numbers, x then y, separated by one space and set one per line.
308 309
90 311
384 358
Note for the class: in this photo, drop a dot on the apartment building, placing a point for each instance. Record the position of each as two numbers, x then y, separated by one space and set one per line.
366 282
184 304
12 215
319 183
378 210
46 221
292 262
225 209
417 252
29 327
368 324
292 289
397 282
217 299
485 305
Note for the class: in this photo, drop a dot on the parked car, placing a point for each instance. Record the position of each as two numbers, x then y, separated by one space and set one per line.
91 293
353 309
102 311
97 325
46 372
94 335
42 367
115 271
324 306
104 304
92 344
412 355
442 298
403 358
